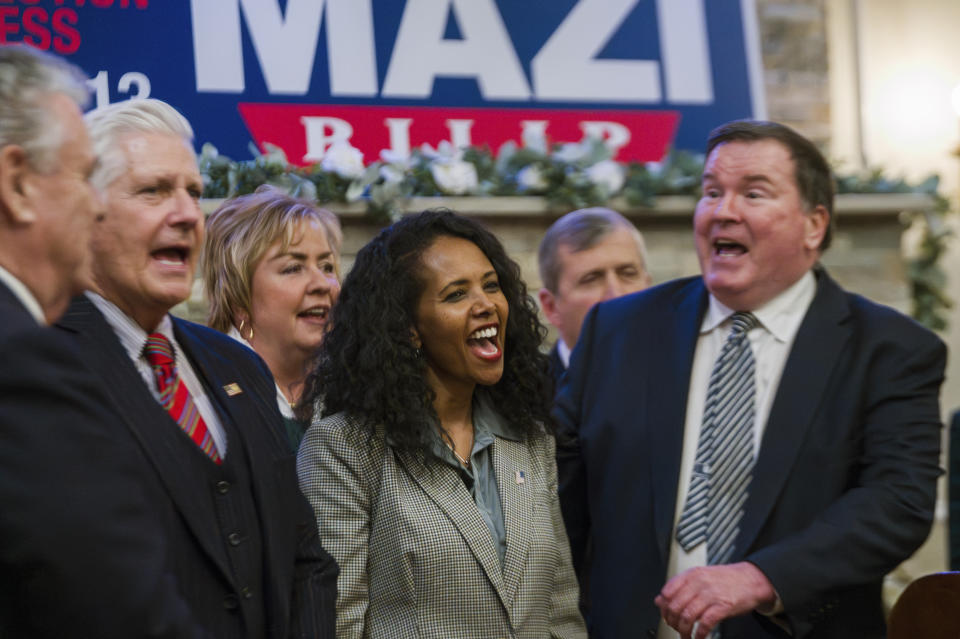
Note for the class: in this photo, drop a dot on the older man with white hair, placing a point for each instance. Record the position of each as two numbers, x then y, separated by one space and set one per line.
242 543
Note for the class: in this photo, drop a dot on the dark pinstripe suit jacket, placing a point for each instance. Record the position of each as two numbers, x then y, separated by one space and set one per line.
299 579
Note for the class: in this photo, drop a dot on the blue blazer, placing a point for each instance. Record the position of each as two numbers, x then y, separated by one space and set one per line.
845 480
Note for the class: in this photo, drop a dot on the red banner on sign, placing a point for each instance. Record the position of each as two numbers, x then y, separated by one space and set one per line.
307 131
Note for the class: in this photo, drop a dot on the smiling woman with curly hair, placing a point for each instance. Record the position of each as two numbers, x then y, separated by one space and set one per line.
431 469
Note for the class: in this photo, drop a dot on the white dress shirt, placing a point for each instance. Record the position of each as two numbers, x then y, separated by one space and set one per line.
770 342
22 293
564 352
133 338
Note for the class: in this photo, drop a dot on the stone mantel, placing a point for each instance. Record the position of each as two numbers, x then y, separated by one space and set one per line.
859 207
866 255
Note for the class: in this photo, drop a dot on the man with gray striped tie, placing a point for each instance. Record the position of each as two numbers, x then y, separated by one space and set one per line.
755 447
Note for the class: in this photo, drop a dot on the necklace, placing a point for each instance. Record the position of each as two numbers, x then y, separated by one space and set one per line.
463 462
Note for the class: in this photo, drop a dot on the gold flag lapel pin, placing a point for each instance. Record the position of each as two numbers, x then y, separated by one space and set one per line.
232 389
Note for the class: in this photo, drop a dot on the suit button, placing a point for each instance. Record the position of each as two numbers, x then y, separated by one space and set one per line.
234 539
223 487
651 633
245 593
230 602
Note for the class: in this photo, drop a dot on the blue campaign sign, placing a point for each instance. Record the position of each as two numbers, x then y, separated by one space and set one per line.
303 74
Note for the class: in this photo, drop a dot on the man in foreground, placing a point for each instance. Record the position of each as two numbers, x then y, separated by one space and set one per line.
241 541
79 552
758 447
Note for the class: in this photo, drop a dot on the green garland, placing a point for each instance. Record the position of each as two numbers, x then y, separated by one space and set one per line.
569 176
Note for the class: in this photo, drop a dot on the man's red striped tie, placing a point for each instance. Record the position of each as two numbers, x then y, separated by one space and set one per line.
175 397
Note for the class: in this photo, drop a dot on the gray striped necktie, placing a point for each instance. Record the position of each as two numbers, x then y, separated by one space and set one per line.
724 463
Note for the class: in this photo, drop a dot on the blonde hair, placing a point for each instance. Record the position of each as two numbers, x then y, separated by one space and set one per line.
239 234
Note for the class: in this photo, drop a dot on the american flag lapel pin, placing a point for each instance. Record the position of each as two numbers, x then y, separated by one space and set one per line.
232 389
521 477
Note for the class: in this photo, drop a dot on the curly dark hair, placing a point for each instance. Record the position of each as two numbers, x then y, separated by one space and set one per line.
368 364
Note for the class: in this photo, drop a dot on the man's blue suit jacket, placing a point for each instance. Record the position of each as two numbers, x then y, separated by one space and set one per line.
845 480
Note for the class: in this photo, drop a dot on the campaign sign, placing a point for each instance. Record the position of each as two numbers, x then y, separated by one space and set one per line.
643 75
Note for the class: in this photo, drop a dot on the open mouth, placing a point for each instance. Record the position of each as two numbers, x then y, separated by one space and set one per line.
485 343
171 256
315 313
728 248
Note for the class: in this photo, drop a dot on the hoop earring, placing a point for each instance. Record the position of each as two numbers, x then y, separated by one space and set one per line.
240 330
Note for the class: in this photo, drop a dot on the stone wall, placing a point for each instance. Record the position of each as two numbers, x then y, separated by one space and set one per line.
793 37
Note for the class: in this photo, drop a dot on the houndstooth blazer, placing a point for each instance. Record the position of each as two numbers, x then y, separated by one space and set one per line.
416 558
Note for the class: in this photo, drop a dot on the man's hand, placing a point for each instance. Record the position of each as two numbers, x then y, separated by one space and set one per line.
700 598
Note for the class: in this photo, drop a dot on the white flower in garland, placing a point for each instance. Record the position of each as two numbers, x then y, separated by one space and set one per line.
530 178
394 166
608 175
573 152
344 160
454 177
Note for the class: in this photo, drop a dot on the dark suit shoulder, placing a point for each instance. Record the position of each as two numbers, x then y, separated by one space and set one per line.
657 298
15 316
227 351
888 322
218 342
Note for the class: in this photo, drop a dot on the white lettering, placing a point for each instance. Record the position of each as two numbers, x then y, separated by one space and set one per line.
135 78
421 53
533 134
685 51
100 83
286 45
613 134
566 68
322 133
217 51
351 52
399 136
460 133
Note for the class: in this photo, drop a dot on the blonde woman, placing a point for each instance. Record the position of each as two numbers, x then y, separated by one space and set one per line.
271 270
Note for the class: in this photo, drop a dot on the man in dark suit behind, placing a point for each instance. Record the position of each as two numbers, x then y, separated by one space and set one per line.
79 552
585 257
767 496
242 547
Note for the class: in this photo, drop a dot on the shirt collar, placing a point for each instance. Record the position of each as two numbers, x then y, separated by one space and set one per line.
486 418
781 316
131 335
564 352
22 293
487 424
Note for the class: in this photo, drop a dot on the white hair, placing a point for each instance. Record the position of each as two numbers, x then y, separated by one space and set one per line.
108 125
27 77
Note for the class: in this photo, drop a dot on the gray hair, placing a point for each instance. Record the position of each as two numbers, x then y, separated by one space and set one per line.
27 76
581 230
108 125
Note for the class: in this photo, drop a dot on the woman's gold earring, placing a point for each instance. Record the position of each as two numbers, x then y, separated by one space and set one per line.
240 330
